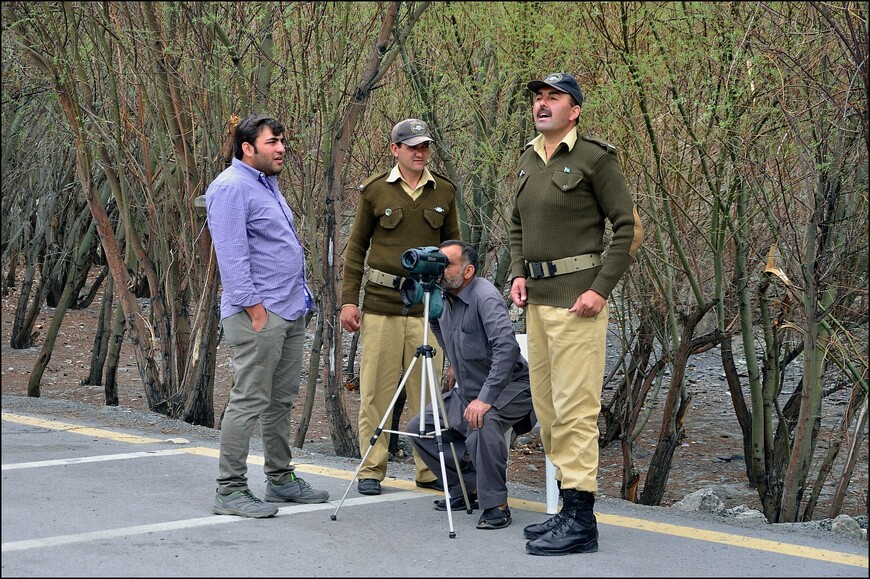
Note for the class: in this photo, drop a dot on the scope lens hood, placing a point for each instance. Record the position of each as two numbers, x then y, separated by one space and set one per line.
436 304
411 292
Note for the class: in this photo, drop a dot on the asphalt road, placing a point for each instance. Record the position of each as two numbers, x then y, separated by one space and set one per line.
85 498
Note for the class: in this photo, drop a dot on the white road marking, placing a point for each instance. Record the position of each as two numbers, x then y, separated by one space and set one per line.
83 459
292 509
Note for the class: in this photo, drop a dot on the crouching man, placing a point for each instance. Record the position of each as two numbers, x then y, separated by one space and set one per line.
491 394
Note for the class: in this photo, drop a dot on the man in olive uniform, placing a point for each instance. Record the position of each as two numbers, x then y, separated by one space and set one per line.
408 206
569 186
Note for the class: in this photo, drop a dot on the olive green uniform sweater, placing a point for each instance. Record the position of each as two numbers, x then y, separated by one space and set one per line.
387 223
559 211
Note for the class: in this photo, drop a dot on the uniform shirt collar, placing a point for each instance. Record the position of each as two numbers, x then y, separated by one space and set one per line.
426 177
570 139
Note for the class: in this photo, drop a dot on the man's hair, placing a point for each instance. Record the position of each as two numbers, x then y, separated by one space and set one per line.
469 253
250 128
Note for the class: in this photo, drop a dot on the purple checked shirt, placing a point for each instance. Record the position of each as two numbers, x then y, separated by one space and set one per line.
259 255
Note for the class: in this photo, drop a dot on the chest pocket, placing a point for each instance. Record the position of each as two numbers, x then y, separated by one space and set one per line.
392 220
435 219
566 182
471 344
469 335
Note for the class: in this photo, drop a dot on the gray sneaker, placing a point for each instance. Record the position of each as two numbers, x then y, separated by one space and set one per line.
295 491
242 503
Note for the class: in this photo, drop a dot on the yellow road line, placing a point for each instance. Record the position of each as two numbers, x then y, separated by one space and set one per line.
777 547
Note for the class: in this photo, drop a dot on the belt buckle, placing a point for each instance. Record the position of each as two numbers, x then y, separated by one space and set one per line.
536 270
551 269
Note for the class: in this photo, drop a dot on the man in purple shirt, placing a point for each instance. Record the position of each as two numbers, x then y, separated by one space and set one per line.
264 304
492 392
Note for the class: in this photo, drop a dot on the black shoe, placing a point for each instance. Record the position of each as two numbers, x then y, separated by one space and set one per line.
368 486
532 532
435 485
494 518
570 536
457 503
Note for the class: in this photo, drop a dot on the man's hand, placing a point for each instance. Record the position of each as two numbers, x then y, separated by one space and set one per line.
258 316
449 380
474 413
589 304
349 318
518 292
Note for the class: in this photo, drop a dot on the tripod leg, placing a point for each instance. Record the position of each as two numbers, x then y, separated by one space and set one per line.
377 434
436 395
428 372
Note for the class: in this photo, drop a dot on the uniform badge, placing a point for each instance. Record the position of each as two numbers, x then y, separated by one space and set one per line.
522 172
439 209
567 170
388 212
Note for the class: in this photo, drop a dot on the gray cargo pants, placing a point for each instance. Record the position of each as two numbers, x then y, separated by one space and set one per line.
268 367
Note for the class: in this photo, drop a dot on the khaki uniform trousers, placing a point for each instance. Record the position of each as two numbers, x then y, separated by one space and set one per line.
389 344
566 367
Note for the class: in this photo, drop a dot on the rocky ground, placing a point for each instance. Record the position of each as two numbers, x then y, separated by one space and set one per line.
711 456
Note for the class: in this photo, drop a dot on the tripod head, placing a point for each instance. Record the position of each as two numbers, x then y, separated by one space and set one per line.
425 265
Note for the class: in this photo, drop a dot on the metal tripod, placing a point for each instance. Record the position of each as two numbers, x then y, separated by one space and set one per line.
438 411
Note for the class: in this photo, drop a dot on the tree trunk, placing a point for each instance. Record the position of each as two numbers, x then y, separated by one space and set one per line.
311 386
33 384
66 298
738 402
833 451
101 339
673 415
83 302
197 385
113 355
851 459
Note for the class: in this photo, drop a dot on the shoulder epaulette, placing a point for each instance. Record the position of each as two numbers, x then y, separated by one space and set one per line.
372 179
607 146
444 177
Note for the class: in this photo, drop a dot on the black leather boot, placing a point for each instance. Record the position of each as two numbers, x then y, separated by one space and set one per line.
538 529
534 531
576 532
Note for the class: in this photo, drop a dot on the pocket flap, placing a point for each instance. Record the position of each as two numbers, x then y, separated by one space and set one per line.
391 220
435 219
567 181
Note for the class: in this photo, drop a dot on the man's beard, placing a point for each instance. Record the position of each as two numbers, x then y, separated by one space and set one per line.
448 283
264 164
